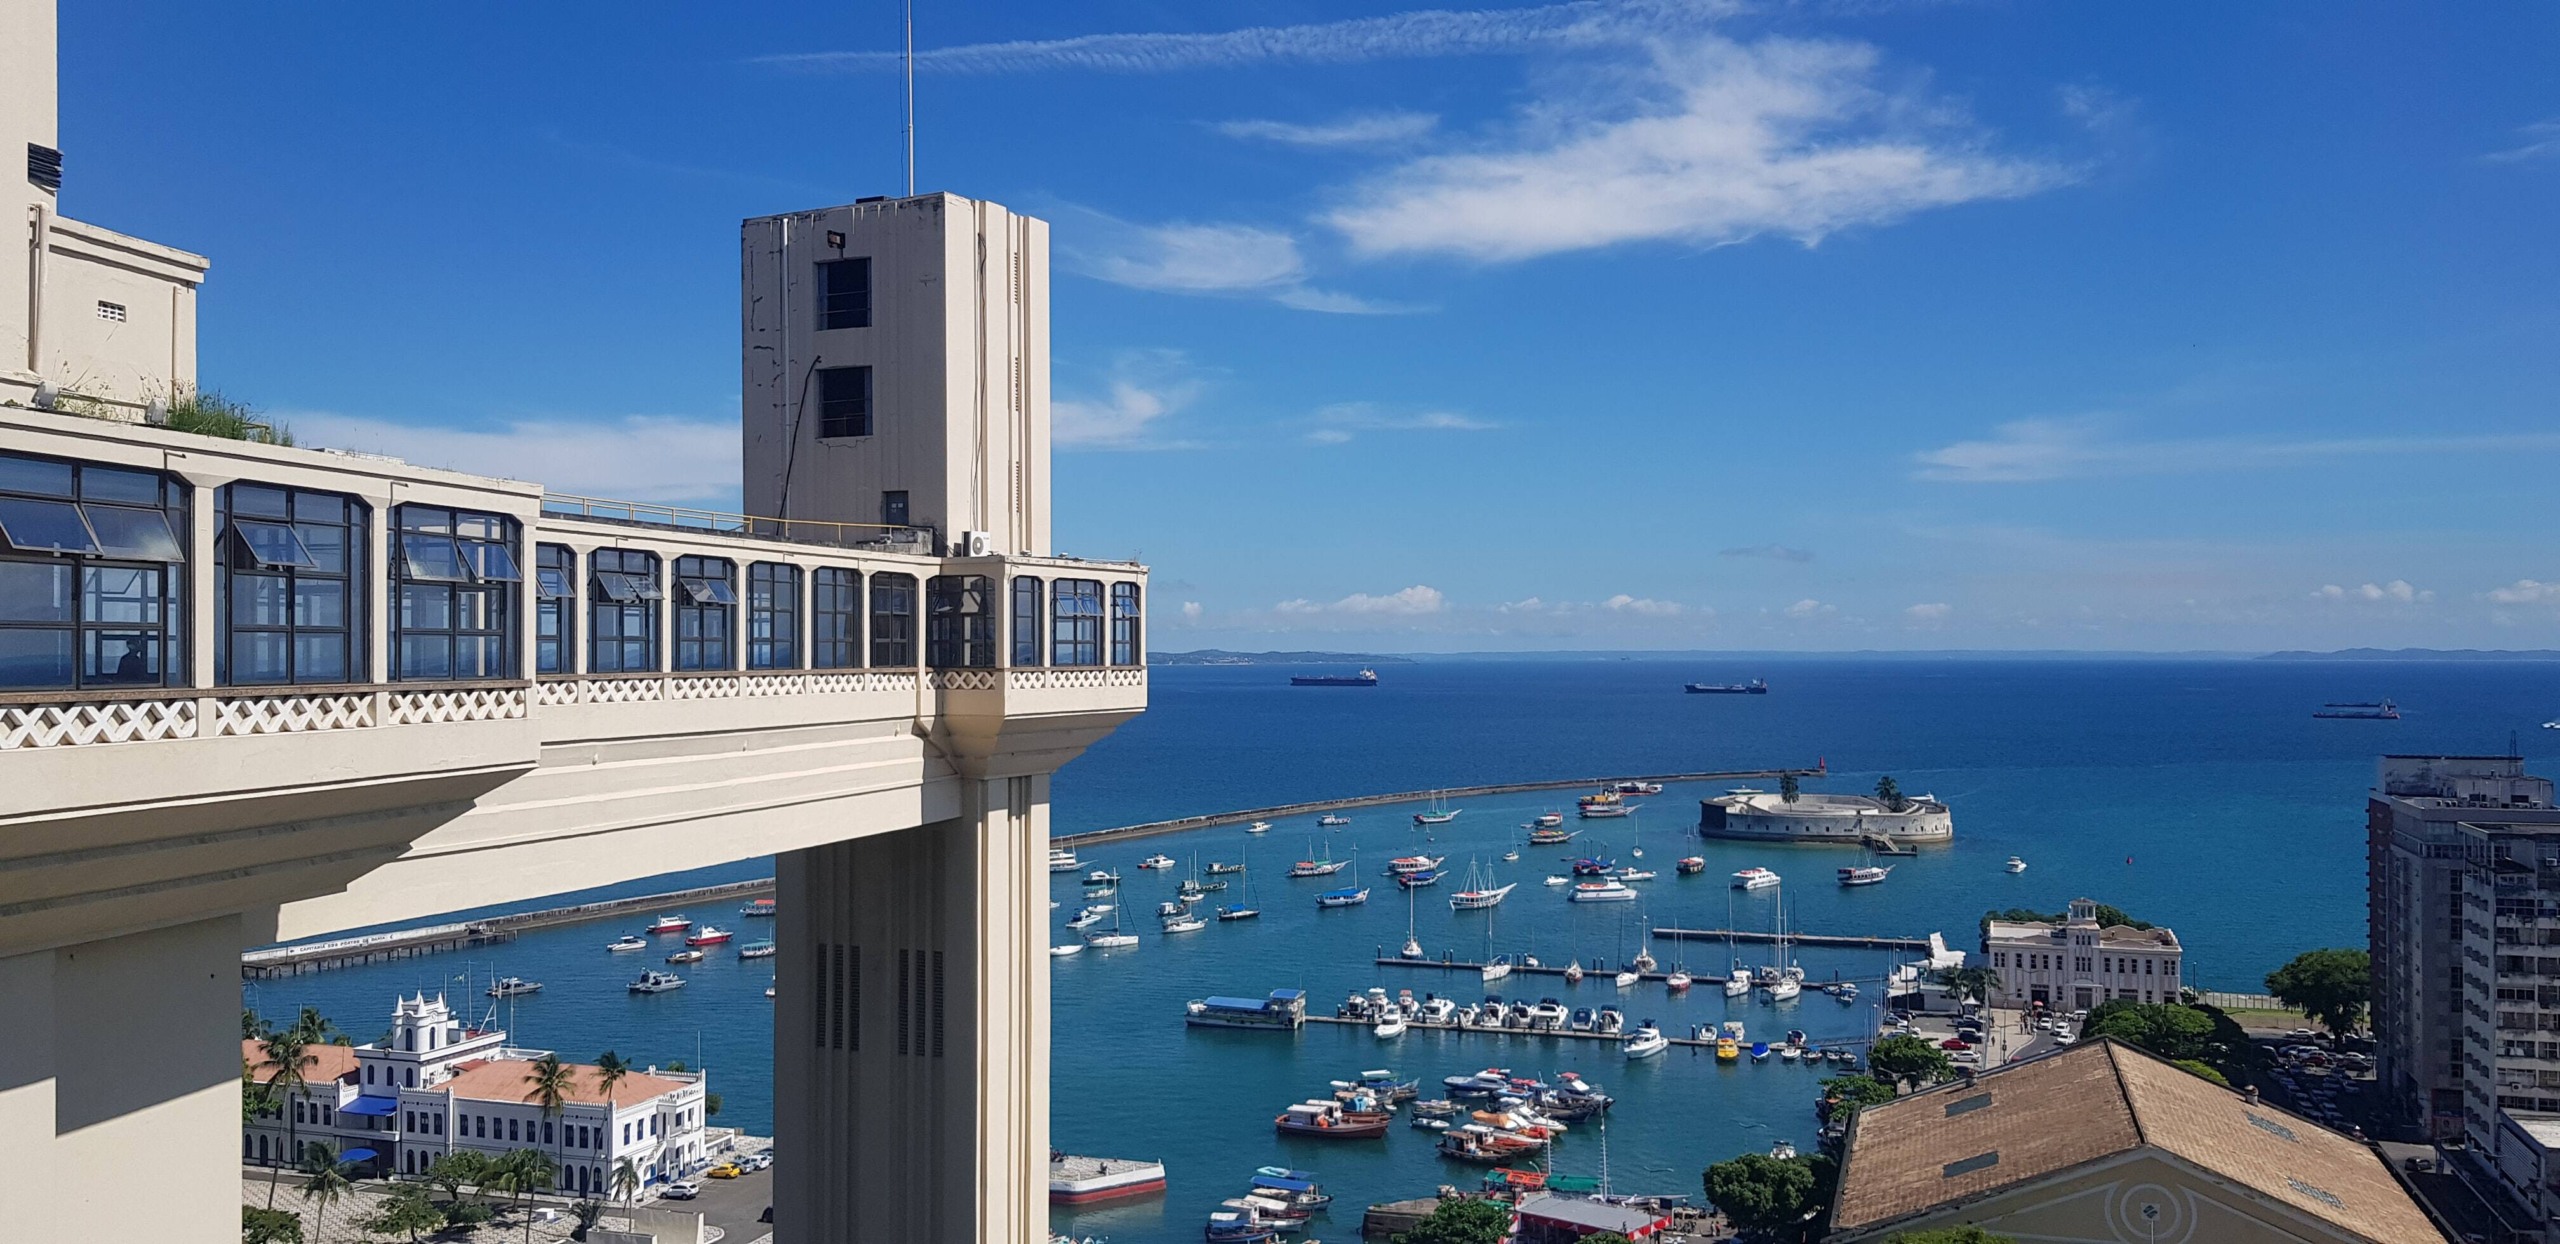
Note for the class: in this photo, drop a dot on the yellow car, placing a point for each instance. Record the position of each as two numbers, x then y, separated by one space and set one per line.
726 1170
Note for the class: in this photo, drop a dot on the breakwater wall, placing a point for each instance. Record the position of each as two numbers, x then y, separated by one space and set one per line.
1315 806
346 952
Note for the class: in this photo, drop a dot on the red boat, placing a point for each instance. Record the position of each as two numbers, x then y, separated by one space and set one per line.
709 936
669 924
1327 1119
1082 1181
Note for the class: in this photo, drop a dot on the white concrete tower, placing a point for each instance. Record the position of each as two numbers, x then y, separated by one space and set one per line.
896 369
30 175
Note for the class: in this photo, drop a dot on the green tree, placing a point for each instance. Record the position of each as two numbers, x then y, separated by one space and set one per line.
456 1170
1760 1194
710 1105
1889 793
1966 1234
289 1052
2201 1069
1844 1096
324 1183
586 1213
551 1082
1461 1222
269 1226
519 1175
1906 1059
252 1027
2332 986
2107 916
1974 984
1787 787
2167 1029
626 1180
406 1210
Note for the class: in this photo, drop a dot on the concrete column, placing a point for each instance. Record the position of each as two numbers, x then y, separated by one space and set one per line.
911 1037
119 1087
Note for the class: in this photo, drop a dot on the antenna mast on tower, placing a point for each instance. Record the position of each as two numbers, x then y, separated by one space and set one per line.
910 10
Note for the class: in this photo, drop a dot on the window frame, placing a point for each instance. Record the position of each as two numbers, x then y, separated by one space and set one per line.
307 512
892 626
704 602
1128 625
835 306
959 628
1029 617
844 416
1076 622
82 575
483 563
837 608
773 626
555 608
625 595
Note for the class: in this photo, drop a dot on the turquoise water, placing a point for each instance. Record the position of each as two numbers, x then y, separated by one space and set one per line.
2198 794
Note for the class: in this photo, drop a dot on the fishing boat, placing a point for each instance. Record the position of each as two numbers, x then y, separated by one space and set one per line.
2016 865
1690 865
1233 1226
1611 890
1084 1181
1343 897
711 935
760 908
1551 837
628 941
1298 1188
1646 1041
669 924
1592 866
1414 864
757 950
1868 874
1258 827
1605 811
1063 860
1475 1142
657 982
1605 796
1755 879
513 987
1320 863
688 956
1217 869
1157 860
1328 1120
1417 880
1333 820
1440 814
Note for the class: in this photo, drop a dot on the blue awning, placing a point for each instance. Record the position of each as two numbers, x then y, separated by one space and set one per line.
384 1106
357 1155
1285 1185
1233 1004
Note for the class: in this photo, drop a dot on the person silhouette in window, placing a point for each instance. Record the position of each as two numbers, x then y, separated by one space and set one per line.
134 666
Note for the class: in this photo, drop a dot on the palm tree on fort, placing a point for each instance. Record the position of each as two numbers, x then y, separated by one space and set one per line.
1889 793
289 1051
1787 788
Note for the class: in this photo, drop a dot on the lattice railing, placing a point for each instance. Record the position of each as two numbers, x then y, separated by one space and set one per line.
292 714
420 708
1068 679
963 680
703 687
623 690
78 725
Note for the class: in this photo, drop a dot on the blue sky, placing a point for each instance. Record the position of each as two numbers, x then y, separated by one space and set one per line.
1653 324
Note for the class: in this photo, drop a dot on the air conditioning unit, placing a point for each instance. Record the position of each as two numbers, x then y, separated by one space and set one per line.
970 544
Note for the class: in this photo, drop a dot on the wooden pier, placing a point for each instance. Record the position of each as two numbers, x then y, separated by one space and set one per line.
1845 941
1612 1038
347 952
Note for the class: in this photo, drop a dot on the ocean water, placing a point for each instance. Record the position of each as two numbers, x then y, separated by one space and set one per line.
2197 794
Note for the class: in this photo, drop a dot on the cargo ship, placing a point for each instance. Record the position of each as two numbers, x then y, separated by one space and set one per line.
1365 678
1756 686
2375 710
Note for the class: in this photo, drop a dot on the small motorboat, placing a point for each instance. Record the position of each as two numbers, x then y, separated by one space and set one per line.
1678 982
1104 876
1646 1041
1158 860
711 935
1184 922
1868 874
1559 879
628 941
1727 1049
1610 891
2016 865
1217 869
1343 898
1258 827
1738 984
1627 979
1582 1020
1759 1051
1391 1027
1332 820
1754 879
669 924
687 956
1690 865
1633 873
657 982
756 950
513 987
1071 948
1090 916
768 991
1846 993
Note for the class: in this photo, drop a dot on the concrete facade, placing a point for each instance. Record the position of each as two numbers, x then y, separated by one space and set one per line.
2419 861
2075 964
105 319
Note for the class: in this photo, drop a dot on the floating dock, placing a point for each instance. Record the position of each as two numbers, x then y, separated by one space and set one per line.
348 952
1610 1038
1845 941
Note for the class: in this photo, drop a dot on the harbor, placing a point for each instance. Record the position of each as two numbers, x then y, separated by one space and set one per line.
399 944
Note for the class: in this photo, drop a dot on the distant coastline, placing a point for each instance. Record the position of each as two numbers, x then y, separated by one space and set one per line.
2420 654
1220 656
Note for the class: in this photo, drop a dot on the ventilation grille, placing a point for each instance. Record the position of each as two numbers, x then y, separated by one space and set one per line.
837 1008
44 166
111 311
1978 1162
1968 1104
2271 1126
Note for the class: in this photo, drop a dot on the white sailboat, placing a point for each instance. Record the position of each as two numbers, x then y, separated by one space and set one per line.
1412 943
1244 908
1113 939
1786 980
1495 967
1480 892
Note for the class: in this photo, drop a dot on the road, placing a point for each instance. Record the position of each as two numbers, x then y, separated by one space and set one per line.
733 1205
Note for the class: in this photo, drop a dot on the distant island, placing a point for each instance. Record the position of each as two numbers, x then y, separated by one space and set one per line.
2420 654
1220 656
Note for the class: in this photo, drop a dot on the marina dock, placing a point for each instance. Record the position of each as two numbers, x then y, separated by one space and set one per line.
346 952
1566 1034
1212 820
1844 941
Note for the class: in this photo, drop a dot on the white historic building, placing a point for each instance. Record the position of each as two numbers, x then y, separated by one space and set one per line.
1851 819
438 1086
2078 964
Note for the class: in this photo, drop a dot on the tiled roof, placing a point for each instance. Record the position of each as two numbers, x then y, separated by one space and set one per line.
2021 1123
503 1079
329 1062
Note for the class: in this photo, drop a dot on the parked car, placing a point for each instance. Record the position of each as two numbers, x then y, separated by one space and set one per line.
682 1190
759 1161
726 1170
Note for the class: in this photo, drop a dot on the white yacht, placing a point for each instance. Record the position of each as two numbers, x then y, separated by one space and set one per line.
1646 1041
1062 860
1629 978
1609 891
1754 879
1391 1027
1738 984
2016 865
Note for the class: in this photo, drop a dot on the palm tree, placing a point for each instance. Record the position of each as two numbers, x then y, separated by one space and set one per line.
1787 788
528 1171
326 1184
610 1070
290 1051
1889 793
552 1082
626 1181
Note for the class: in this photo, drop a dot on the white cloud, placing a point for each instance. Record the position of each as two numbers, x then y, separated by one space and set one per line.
2397 591
1145 386
1414 600
1529 605
1359 130
1184 258
1772 552
2526 592
635 457
1712 142
1929 614
1623 603
1811 608
1191 611
1427 33
2029 450
1342 421
2541 142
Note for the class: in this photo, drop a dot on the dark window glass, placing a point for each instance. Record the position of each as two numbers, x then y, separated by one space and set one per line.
893 621
844 401
893 507
844 293
773 617
91 575
1127 640
960 628
1026 620
835 619
456 596
622 611
706 612
291 588
556 576
1076 638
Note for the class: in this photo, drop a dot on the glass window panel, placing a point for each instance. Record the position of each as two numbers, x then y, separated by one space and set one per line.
616 587
99 483
320 602
51 479
555 584
260 657
121 656
432 558
434 520
320 658
490 563
475 609
426 607
479 526
137 535
319 507
261 600
35 657
328 545
120 594
35 591
426 656
478 656
255 499
645 586
33 526
272 546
